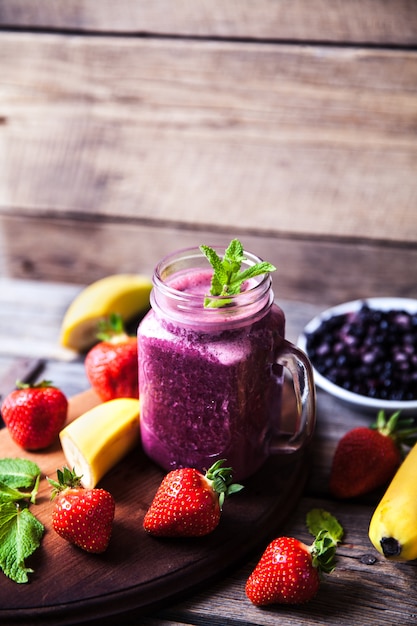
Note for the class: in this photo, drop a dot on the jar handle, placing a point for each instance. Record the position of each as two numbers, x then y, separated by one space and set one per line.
298 364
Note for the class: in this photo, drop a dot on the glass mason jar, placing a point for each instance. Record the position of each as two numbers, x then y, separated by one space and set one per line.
210 379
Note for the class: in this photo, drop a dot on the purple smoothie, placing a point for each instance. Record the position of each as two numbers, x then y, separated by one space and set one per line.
209 394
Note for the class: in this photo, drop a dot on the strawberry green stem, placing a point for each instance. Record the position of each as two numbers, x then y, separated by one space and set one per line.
220 478
111 328
40 385
328 533
401 430
66 479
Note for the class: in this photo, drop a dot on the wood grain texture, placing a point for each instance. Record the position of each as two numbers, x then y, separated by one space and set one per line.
357 592
364 590
136 572
288 139
363 21
324 272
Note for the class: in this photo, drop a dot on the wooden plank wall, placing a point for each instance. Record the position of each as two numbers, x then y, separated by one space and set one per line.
129 129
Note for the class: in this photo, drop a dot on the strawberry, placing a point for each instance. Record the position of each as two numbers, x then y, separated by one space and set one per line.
34 414
84 517
188 503
289 571
367 458
112 364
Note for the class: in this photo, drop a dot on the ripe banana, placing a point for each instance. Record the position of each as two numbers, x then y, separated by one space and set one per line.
125 294
393 527
98 439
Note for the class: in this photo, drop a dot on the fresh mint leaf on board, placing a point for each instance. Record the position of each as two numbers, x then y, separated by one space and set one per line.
319 520
227 278
328 533
20 531
18 472
20 535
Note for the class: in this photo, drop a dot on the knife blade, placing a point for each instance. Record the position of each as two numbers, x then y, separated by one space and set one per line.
23 369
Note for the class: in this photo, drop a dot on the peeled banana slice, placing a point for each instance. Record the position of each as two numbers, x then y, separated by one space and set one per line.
98 439
124 294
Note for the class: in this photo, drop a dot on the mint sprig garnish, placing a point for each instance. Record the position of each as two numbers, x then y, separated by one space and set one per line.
227 277
20 531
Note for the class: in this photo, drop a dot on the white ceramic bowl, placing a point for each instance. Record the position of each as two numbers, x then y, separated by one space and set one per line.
354 399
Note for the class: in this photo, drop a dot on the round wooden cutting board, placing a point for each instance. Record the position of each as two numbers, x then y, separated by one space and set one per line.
137 572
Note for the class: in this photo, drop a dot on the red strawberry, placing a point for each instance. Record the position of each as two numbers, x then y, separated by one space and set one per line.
84 517
285 574
34 414
367 458
188 503
112 365
289 570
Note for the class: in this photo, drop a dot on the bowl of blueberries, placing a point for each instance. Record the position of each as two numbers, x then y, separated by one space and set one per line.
364 353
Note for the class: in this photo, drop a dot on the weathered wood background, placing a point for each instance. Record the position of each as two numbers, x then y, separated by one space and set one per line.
129 129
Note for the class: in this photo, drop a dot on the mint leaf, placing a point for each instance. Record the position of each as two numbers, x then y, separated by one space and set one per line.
20 535
219 275
327 533
227 278
250 272
233 256
20 531
324 552
18 472
319 520
10 494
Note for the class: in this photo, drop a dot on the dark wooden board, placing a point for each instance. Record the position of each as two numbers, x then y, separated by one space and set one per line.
138 572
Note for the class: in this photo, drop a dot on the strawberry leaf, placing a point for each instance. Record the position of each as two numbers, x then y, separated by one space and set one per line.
20 535
41 385
220 479
111 327
66 478
402 430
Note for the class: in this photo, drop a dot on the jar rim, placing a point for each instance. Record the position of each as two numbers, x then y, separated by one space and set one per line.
184 306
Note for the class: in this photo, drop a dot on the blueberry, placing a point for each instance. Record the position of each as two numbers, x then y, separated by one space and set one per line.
370 352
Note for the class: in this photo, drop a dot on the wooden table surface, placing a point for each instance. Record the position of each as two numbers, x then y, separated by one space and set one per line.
290 124
364 589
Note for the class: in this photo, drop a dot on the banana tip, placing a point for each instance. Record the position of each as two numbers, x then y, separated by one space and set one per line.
391 547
